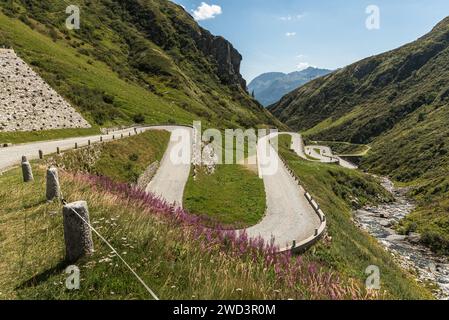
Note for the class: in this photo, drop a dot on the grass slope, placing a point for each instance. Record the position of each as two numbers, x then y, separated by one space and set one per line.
121 160
131 61
232 196
32 136
398 103
351 250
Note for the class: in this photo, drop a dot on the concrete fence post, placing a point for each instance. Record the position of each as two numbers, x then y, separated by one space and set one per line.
76 145
121 136
113 137
130 133
77 233
41 155
53 187
58 151
101 139
27 171
135 130
88 142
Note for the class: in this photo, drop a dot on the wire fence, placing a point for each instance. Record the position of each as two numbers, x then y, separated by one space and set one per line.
151 292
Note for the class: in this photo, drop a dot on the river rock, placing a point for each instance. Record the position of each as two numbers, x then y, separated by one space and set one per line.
414 238
386 224
396 237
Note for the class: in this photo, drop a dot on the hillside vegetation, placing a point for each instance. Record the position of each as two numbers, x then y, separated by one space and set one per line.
347 248
398 102
132 61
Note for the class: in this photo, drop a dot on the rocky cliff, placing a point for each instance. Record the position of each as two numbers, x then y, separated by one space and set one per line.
216 49
227 58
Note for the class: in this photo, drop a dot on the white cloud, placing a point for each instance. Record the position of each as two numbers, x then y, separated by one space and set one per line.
301 56
292 18
206 11
290 34
303 65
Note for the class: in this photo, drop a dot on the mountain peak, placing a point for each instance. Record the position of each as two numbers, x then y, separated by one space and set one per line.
271 86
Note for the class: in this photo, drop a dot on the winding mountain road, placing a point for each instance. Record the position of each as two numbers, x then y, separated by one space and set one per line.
327 156
171 178
11 156
289 216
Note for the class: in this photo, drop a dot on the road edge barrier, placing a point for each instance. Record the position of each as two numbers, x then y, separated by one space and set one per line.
300 247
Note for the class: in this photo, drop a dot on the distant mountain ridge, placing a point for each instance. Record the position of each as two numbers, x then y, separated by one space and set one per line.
270 87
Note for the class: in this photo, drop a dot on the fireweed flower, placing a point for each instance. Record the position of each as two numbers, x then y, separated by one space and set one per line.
289 270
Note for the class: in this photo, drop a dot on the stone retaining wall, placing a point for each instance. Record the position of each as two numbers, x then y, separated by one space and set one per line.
28 103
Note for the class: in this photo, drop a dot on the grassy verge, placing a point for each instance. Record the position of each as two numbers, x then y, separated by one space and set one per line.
344 148
176 257
121 160
350 250
31 136
308 156
233 196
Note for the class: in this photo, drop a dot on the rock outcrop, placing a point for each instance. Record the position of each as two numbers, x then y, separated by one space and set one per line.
182 33
28 103
228 59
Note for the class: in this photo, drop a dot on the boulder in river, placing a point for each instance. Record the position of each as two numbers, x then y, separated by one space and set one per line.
414 237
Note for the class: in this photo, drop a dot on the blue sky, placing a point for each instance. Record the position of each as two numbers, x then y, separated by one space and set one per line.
284 35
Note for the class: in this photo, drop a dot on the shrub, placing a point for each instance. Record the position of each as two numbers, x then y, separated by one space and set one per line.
109 99
133 157
421 117
139 118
